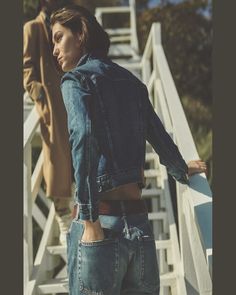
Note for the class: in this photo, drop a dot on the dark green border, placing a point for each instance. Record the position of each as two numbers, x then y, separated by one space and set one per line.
224 147
11 164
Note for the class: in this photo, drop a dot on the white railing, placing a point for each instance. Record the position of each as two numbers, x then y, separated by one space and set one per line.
35 270
122 34
195 201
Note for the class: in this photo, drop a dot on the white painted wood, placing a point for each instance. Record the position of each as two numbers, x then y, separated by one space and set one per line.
151 193
134 40
151 81
47 202
37 176
166 120
178 264
54 285
121 50
112 9
57 250
28 234
30 126
151 173
163 244
167 279
39 216
120 38
119 31
199 259
157 215
42 263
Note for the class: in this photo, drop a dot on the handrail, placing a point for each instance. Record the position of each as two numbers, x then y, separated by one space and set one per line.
30 126
195 201
34 270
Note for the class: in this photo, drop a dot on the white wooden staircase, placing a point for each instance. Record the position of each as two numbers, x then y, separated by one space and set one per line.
184 259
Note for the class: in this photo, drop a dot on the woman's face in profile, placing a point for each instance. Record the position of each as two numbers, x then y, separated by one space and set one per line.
66 47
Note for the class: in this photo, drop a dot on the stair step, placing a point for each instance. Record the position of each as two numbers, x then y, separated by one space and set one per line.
121 50
150 157
163 244
119 31
57 250
151 193
167 279
150 173
54 286
157 215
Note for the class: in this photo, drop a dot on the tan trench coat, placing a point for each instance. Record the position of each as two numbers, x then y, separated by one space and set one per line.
42 75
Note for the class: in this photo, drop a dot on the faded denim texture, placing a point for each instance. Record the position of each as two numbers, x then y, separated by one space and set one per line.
124 263
110 117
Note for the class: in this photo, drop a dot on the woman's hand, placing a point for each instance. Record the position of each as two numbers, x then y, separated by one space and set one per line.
93 231
196 166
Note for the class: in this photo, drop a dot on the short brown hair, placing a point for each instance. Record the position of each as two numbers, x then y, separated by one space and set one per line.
79 19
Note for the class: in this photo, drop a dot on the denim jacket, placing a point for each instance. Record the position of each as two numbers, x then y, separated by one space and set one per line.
110 117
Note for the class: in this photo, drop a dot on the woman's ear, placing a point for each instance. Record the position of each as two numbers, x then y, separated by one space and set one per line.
78 39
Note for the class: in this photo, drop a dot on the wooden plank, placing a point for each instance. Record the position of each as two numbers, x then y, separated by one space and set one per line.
30 126
37 176
199 259
54 286
119 31
39 216
151 193
151 173
28 234
120 38
113 9
41 263
163 244
157 215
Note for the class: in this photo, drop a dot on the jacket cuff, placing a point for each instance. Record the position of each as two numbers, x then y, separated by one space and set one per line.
184 179
88 212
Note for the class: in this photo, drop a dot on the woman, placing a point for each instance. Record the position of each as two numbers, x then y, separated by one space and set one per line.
111 249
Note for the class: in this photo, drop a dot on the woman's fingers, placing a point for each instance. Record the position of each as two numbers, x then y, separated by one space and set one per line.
196 166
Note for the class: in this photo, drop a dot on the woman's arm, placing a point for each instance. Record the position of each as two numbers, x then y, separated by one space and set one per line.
163 145
78 97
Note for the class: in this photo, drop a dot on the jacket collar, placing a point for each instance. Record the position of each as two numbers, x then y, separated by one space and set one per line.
90 56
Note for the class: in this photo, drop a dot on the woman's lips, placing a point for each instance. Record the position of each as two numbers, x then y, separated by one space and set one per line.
60 61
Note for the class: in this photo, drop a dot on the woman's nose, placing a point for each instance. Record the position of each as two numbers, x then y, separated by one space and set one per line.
55 51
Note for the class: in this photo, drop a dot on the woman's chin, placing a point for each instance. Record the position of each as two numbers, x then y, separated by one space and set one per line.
66 68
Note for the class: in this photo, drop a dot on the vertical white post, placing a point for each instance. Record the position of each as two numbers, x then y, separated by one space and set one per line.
99 17
133 26
28 239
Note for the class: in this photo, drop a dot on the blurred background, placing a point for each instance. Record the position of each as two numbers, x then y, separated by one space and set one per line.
186 28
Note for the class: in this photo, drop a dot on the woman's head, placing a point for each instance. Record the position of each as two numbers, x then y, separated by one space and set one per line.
76 32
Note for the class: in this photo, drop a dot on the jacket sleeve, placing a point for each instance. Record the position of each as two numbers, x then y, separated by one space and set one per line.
31 75
163 145
84 148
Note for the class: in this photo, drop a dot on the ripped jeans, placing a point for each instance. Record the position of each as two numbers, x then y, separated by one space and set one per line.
124 263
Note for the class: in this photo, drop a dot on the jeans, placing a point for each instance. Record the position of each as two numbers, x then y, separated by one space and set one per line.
124 263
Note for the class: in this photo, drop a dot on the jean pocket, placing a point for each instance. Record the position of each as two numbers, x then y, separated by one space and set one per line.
149 272
98 265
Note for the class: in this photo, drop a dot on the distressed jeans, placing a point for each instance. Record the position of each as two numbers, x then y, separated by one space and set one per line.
124 263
